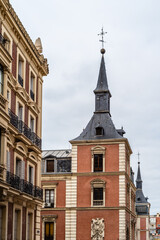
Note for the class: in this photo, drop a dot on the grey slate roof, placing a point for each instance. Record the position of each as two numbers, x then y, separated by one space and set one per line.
64 153
99 119
102 84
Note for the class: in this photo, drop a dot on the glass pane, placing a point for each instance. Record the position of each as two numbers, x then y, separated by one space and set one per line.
51 229
47 230
98 162
98 194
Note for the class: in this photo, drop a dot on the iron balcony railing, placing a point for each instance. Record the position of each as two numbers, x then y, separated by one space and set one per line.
23 185
32 94
20 80
97 202
24 129
2 40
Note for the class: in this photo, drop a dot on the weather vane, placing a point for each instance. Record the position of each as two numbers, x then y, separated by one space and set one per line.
102 33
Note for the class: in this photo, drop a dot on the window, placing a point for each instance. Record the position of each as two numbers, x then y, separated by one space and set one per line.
18 167
50 166
32 124
49 198
49 231
20 112
17 225
32 81
29 226
98 162
98 187
97 196
98 159
1 78
30 175
99 131
2 222
20 71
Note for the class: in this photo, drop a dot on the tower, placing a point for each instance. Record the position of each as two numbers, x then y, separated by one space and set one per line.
95 198
142 209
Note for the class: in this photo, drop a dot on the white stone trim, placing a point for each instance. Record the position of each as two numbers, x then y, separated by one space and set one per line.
122 191
70 224
122 225
74 159
71 192
122 161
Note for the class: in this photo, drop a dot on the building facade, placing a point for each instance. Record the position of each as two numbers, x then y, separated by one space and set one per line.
22 67
142 210
95 197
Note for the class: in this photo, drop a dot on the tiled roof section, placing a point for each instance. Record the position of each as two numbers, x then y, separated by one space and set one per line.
63 153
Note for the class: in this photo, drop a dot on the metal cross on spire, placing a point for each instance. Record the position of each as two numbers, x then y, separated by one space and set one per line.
102 33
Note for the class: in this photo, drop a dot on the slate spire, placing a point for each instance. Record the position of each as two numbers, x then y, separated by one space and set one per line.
139 180
102 93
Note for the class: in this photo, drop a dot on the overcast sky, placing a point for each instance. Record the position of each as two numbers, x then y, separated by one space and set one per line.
68 30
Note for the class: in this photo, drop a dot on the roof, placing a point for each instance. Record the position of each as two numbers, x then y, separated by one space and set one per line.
105 121
63 153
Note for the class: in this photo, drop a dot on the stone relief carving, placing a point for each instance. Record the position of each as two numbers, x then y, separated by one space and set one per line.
97 229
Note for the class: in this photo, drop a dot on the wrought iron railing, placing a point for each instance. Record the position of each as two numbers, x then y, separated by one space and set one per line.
24 129
23 185
20 80
97 202
2 40
32 94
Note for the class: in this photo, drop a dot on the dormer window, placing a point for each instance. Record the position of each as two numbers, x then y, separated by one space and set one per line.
99 131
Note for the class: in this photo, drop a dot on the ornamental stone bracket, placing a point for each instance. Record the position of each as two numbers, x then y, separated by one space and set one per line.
97 229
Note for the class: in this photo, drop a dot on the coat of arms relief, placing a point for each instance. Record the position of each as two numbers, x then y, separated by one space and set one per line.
97 229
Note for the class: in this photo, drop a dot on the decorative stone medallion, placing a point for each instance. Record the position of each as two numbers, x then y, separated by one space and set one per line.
97 229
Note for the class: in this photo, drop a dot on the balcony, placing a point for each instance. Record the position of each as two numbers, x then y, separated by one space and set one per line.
20 80
2 40
32 94
24 186
24 129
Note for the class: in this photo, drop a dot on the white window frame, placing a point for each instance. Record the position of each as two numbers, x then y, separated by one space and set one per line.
98 150
98 183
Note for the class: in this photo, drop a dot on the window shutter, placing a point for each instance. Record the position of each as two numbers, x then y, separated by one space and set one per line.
32 175
8 161
22 169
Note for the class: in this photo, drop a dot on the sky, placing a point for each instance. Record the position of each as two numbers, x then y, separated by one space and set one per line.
69 34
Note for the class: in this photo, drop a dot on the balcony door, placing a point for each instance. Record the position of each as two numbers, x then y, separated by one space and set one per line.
49 231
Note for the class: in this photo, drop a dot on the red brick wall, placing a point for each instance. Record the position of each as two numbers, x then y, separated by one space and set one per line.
25 174
24 224
84 190
10 221
111 158
60 223
27 77
14 61
143 227
13 101
111 220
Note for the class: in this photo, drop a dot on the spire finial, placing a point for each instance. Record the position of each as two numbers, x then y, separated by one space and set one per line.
138 154
102 33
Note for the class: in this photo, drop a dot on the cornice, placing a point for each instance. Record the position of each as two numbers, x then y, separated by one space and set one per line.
21 33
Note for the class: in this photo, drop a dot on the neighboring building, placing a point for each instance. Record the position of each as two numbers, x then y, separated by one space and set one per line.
152 228
142 210
22 67
95 198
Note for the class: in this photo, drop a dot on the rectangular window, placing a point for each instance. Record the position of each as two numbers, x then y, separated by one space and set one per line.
98 162
18 167
29 232
97 196
50 166
32 124
49 230
49 198
1 78
32 80
20 112
30 178
20 72
1 219
17 225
